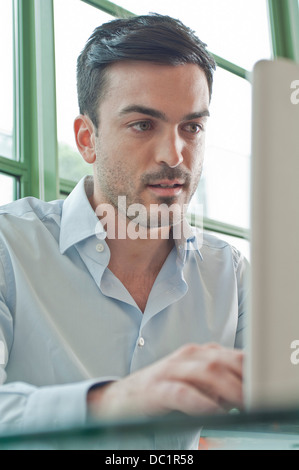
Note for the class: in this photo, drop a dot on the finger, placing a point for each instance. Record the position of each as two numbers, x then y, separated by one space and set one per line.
227 387
200 357
233 359
217 378
178 396
210 370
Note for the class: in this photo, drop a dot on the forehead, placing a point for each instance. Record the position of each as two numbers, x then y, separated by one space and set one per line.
182 88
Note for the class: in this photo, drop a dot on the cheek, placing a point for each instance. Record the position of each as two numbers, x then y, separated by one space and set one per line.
196 156
118 151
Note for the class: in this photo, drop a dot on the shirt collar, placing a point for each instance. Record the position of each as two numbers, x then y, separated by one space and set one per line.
79 222
187 238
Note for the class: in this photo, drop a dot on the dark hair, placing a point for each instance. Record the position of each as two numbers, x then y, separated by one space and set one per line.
153 38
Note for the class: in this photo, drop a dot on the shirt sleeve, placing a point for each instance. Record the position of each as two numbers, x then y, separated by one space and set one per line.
24 407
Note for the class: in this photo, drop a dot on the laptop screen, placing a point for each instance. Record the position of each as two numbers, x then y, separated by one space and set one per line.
272 371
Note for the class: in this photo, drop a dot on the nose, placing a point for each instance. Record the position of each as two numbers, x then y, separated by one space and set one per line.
170 149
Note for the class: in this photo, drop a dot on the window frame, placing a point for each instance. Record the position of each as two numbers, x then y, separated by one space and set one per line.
35 168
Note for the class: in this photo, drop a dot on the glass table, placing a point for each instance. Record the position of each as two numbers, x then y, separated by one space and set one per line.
277 430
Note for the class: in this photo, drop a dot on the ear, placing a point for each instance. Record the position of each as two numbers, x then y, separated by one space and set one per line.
85 137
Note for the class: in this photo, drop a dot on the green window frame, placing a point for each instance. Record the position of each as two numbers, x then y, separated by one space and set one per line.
35 167
35 138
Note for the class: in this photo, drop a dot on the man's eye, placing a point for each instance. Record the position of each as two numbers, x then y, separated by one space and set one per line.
142 126
193 128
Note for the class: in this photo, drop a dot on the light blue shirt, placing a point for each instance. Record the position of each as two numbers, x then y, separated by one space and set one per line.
67 322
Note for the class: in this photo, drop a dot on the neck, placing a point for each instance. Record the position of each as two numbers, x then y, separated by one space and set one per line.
137 253
143 249
133 245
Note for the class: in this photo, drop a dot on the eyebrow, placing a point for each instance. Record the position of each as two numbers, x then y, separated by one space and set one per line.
159 114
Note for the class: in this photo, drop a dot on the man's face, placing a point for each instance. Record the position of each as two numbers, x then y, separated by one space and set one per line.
151 134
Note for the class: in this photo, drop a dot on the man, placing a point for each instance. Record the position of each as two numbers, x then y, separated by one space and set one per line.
97 321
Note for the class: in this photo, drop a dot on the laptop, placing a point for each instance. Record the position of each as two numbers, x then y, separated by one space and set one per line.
272 368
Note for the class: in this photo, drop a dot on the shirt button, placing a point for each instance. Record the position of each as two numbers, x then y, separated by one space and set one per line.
100 247
141 342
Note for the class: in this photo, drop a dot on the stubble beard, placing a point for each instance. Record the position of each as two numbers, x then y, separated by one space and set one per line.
115 182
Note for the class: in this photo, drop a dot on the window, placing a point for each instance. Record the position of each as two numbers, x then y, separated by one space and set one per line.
6 88
9 176
227 162
226 26
70 37
38 155
225 182
8 189
27 118
7 193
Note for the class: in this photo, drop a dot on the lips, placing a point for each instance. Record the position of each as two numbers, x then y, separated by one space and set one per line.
168 183
167 187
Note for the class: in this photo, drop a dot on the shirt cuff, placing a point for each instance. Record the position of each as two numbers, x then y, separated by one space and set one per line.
59 406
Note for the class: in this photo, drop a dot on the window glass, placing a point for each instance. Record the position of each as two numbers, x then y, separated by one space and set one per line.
6 80
235 30
7 189
74 23
225 184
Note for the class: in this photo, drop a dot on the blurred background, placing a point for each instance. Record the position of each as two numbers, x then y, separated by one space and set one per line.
40 41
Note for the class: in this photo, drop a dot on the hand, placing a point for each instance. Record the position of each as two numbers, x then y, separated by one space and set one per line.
194 380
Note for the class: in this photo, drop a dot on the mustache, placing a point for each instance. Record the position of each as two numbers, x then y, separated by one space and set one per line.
166 173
